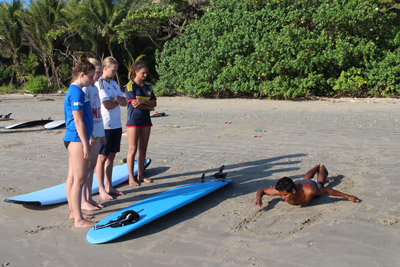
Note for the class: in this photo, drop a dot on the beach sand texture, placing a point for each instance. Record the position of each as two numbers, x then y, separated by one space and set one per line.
358 140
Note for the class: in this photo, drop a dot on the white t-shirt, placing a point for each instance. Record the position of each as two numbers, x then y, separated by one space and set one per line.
93 94
111 118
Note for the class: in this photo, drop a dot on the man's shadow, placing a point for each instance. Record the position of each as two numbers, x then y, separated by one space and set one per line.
246 176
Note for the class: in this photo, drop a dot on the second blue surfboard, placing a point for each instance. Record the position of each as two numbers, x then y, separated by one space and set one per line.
56 194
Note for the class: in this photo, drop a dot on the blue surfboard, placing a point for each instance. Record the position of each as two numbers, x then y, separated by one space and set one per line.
56 194
154 207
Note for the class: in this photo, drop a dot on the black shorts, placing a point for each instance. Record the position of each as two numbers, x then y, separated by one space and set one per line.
113 142
66 144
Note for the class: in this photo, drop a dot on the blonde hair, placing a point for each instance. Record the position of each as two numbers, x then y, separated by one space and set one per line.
94 61
109 61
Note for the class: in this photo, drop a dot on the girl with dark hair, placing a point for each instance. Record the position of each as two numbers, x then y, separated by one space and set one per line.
141 100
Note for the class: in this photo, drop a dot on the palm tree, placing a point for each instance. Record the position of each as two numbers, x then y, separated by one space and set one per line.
11 39
42 24
95 21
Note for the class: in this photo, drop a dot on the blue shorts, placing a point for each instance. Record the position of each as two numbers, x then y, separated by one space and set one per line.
113 142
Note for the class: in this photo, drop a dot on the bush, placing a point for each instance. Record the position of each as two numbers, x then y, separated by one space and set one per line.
5 74
37 85
384 75
285 49
7 89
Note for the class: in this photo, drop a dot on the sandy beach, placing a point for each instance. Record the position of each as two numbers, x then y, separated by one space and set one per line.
357 139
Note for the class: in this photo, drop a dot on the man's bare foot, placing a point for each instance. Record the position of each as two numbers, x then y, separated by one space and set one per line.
323 169
83 223
317 167
105 196
89 207
113 191
134 182
145 180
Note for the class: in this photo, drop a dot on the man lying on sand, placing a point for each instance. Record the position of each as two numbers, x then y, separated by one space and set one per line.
303 191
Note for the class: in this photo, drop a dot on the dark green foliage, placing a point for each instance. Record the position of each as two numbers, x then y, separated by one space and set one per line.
27 67
5 74
37 85
286 49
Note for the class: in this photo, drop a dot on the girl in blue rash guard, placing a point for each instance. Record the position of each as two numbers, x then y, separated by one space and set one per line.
96 140
79 122
141 100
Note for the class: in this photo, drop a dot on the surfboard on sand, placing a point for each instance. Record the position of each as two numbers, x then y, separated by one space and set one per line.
54 124
26 124
56 194
158 114
154 207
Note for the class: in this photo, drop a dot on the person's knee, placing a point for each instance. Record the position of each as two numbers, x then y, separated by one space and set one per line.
101 159
79 182
132 150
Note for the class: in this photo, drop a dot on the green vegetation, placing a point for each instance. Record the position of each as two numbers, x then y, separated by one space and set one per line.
7 89
248 48
286 49
37 85
45 37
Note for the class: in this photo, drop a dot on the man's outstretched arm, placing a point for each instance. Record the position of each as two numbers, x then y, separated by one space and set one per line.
333 192
270 191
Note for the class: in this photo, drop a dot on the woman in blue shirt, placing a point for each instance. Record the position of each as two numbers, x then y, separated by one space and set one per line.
79 122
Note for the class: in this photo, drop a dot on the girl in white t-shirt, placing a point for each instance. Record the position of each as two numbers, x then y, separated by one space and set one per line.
111 99
96 140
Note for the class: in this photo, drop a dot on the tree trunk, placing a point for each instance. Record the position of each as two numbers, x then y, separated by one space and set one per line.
111 54
46 68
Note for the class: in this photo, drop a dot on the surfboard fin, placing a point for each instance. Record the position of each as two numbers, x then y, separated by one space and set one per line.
202 178
220 174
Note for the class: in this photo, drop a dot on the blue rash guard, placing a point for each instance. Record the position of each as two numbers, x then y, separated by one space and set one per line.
138 117
76 99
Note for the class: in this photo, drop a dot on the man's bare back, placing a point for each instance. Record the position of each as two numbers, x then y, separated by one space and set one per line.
303 191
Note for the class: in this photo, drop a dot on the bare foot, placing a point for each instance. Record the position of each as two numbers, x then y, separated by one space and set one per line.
114 191
323 168
94 203
105 196
145 180
83 223
85 216
134 182
89 207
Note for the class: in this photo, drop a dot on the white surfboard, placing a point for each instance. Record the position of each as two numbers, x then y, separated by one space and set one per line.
54 124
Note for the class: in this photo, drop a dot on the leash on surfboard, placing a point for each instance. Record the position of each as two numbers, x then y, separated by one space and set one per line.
220 175
126 218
